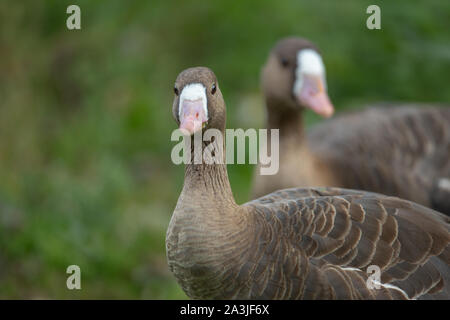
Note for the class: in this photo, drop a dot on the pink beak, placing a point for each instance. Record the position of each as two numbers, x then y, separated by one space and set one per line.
314 96
192 116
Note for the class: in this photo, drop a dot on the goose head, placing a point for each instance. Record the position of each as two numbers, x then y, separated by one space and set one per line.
294 77
198 103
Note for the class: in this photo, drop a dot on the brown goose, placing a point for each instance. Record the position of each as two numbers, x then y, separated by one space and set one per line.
401 151
314 243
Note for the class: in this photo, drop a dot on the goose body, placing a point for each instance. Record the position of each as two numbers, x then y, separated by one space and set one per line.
300 243
401 150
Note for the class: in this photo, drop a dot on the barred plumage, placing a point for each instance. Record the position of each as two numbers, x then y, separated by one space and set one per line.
301 243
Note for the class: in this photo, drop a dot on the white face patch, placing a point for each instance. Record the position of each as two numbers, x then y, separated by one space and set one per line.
309 62
193 92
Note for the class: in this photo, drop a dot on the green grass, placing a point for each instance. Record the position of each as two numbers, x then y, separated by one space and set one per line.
85 118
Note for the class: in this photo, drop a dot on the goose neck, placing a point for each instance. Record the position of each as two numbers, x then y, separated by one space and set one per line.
206 181
288 120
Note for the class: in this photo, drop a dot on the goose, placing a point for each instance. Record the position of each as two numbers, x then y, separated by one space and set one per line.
398 150
298 243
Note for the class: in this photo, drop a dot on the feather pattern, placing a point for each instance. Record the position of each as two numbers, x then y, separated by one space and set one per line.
317 243
301 243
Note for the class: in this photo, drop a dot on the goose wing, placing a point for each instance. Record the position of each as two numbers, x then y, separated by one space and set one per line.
329 242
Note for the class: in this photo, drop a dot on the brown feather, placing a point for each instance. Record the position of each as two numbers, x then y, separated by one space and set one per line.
301 243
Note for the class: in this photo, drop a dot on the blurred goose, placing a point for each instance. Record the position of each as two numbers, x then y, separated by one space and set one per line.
401 151
312 243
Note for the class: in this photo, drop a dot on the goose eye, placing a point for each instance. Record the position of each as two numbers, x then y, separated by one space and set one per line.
213 88
175 89
284 62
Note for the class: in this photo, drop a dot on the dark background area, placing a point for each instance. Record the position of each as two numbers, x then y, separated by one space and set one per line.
85 118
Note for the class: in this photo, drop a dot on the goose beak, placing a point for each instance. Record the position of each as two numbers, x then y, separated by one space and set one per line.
193 116
313 95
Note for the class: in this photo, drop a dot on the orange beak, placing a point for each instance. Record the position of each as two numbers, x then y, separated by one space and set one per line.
314 96
193 116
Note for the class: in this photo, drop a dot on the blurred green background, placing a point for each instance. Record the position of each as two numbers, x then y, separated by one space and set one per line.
85 118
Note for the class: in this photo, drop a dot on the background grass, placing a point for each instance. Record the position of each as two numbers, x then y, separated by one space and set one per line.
85 118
